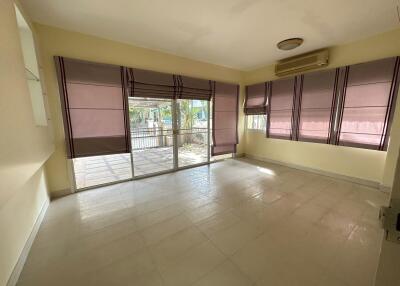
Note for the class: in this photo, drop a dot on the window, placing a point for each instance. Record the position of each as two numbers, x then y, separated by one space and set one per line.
348 106
317 106
368 104
255 106
225 114
282 96
256 122
93 99
256 99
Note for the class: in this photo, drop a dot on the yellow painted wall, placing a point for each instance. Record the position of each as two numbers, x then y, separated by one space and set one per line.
365 164
75 45
24 147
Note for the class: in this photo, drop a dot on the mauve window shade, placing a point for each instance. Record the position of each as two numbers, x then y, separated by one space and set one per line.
223 149
281 108
93 98
317 104
367 106
145 83
225 118
256 99
194 88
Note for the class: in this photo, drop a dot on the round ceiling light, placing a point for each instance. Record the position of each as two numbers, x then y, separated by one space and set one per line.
289 44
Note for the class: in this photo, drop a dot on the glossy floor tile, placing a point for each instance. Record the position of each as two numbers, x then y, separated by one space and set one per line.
235 222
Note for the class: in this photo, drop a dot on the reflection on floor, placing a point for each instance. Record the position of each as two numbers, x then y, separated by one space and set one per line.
236 222
92 171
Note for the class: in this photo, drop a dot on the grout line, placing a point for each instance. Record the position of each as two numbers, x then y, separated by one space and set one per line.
209 194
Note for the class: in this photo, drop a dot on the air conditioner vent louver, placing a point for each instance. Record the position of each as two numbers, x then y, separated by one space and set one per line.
302 63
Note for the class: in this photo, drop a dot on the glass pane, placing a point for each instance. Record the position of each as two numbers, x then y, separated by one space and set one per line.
193 134
262 123
250 119
151 133
97 170
257 122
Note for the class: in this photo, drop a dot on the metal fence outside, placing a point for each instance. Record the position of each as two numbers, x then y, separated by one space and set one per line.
156 137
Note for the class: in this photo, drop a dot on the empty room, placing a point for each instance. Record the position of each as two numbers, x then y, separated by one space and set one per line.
199 143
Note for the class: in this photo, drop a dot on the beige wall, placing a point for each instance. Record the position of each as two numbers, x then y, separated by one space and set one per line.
365 164
24 148
75 45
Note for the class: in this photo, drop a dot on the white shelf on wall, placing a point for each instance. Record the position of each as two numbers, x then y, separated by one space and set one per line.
30 75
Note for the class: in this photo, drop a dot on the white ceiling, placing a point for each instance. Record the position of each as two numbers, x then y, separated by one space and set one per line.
241 34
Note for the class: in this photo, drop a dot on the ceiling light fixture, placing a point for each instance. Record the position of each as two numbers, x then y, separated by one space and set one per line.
289 44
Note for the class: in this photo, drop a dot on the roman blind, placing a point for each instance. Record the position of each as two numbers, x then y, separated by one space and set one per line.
281 103
225 118
145 83
317 106
367 104
94 108
194 88
256 99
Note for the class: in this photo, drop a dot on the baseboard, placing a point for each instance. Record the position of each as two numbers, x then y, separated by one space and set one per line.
59 194
12 281
360 181
239 155
385 189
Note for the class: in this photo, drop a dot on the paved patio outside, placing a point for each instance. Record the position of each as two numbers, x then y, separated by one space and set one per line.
91 171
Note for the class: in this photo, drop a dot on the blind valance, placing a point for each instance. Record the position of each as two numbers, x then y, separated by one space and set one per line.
194 88
145 83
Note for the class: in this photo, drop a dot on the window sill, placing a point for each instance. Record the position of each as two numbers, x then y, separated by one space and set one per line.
255 130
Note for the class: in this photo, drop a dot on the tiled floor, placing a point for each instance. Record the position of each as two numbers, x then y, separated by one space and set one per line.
236 222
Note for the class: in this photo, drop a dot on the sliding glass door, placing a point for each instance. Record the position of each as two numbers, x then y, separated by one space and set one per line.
193 132
168 134
151 122
122 123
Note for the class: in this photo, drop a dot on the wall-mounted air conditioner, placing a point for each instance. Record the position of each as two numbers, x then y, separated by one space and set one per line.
301 63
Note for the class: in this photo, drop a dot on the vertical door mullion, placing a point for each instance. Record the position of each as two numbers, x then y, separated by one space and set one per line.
130 138
175 132
132 165
208 132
